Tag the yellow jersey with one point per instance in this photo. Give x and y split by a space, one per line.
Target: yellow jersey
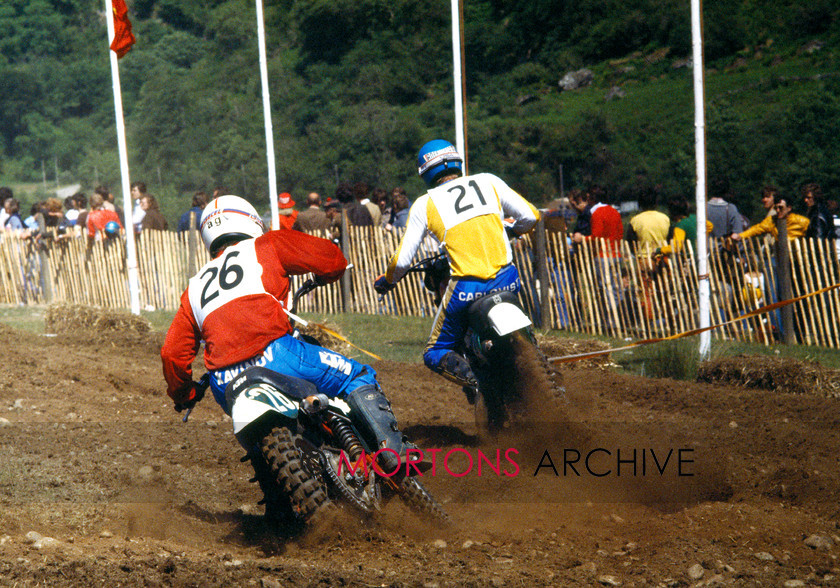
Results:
465 216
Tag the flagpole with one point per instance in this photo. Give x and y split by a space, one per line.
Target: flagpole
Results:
704 288
131 249
269 131
458 81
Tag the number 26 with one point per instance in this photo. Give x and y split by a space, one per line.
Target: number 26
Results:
229 277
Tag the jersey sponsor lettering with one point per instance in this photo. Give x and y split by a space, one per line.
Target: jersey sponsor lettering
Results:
336 362
226 376
470 296
234 274
460 200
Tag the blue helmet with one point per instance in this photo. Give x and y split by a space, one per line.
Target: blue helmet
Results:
437 158
112 228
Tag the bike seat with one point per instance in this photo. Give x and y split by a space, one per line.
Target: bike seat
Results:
288 385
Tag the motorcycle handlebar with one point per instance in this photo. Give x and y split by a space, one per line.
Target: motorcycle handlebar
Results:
200 389
304 289
424 263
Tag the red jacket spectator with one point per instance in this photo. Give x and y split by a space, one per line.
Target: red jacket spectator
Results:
97 219
606 224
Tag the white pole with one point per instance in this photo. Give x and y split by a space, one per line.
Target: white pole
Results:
128 206
269 131
457 72
704 289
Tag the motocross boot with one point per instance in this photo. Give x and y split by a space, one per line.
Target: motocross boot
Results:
455 368
371 413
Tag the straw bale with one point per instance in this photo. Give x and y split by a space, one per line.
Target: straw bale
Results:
558 347
777 374
325 339
95 323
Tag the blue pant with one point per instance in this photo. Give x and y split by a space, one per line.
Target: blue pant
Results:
332 373
450 324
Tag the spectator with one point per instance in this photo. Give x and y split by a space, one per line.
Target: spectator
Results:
288 214
81 207
199 201
650 227
108 204
360 193
600 221
153 220
583 214
36 212
13 221
683 224
797 225
834 210
724 215
383 200
54 215
312 218
5 194
820 223
399 210
768 194
99 216
357 213
138 190
333 211
604 223
72 213
559 215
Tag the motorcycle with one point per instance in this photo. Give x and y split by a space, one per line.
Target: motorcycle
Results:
501 350
307 453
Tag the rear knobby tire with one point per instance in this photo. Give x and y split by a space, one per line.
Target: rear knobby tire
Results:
497 388
418 499
538 382
306 493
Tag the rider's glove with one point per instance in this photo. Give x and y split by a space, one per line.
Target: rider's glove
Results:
382 285
511 234
196 394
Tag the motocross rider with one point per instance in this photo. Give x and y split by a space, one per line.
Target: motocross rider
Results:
465 214
235 304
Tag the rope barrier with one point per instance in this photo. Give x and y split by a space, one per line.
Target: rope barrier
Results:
691 333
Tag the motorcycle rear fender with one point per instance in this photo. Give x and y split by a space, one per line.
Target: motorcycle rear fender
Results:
505 318
258 391
256 401
497 315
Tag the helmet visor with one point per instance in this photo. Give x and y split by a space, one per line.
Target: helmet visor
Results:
434 158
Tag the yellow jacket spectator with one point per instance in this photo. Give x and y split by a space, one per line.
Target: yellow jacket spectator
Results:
797 224
650 227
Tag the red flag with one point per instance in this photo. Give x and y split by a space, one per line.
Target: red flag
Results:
123 37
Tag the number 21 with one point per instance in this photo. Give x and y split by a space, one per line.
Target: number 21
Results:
460 207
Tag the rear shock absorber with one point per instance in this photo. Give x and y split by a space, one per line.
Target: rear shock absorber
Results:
344 433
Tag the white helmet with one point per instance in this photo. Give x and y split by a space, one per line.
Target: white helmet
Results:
228 219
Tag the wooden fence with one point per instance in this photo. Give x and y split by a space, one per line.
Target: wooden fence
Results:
596 288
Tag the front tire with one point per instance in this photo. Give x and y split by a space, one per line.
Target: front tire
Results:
306 493
418 499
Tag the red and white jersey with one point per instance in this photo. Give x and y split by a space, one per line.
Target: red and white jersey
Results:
235 302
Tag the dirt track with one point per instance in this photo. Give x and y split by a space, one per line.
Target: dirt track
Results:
94 458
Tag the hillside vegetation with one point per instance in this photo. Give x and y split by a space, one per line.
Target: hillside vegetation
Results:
357 86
